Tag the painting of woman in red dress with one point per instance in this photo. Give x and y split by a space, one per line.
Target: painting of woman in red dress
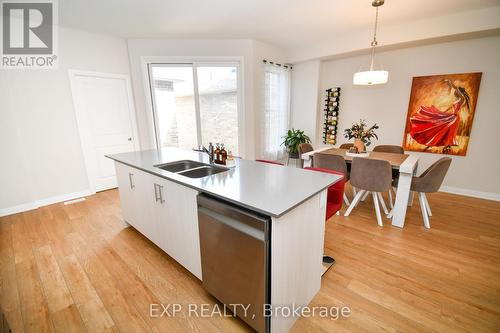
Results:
440 113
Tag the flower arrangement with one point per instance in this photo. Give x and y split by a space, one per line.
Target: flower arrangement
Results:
361 133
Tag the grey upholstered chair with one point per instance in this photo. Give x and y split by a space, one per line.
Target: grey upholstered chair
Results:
428 182
389 149
304 148
346 145
335 163
373 176
395 173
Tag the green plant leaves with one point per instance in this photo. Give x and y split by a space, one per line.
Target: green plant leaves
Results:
293 139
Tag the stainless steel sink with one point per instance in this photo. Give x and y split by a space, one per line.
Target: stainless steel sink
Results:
203 171
179 166
191 169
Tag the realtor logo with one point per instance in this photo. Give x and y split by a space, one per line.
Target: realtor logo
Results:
28 32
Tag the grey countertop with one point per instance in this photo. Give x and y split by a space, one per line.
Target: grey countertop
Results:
266 188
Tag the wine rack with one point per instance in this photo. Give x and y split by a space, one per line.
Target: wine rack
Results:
332 100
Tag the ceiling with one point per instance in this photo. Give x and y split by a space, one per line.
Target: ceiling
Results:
285 23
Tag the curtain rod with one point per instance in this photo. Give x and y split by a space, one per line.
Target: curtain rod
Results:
277 64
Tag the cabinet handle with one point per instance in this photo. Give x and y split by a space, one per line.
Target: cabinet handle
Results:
160 188
156 193
132 186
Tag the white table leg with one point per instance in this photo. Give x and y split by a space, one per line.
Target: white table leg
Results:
402 196
406 171
412 194
410 198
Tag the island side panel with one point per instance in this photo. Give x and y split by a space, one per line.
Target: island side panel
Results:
297 240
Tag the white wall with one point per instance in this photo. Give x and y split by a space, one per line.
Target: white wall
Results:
251 52
39 140
40 147
478 172
305 97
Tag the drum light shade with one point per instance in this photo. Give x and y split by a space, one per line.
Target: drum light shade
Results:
368 78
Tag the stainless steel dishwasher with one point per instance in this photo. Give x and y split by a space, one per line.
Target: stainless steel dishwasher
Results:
235 257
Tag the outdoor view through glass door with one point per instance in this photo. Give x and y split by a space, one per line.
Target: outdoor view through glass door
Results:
195 104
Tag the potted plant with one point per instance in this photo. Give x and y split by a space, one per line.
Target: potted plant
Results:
292 140
362 134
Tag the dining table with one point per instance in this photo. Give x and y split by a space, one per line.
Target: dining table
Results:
406 164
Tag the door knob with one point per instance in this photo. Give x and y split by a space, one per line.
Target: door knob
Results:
129 139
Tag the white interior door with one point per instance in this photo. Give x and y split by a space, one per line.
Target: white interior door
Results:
106 120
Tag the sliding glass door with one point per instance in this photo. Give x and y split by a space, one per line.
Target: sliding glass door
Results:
195 104
174 105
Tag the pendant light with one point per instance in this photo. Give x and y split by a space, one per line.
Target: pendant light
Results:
372 76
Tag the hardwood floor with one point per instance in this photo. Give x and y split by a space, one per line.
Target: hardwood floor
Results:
77 268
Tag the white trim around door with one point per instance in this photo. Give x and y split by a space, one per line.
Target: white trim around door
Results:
83 127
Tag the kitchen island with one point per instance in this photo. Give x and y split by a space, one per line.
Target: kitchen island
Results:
164 207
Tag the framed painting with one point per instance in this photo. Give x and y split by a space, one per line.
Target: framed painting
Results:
440 113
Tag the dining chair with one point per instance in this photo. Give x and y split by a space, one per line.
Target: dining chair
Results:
304 148
332 162
393 149
428 182
389 149
335 192
373 176
346 145
270 162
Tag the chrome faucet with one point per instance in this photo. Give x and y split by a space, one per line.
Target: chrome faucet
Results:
209 151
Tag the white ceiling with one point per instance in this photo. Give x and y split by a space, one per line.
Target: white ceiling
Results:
286 23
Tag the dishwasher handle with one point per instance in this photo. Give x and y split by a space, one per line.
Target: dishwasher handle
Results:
235 224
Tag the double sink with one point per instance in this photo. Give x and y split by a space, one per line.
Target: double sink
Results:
191 169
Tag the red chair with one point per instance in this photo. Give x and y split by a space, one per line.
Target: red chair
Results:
334 200
335 195
270 162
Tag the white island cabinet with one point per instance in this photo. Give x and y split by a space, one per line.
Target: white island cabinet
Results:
164 212
163 206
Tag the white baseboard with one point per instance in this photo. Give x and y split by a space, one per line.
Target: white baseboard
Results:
44 202
471 193
18 209
63 197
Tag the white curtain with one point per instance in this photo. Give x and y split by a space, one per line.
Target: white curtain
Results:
276 109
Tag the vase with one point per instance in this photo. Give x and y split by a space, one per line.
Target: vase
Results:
359 145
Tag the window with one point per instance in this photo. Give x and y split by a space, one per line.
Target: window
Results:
277 109
195 104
